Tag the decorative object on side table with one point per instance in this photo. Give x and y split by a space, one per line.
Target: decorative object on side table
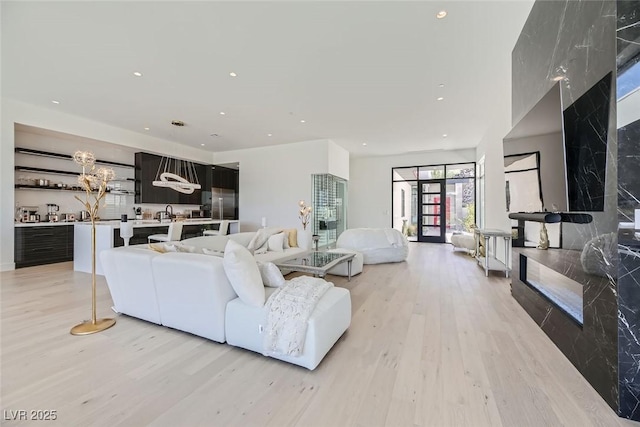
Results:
94 183
544 238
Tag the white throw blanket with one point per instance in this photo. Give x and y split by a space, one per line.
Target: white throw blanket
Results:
394 238
288 310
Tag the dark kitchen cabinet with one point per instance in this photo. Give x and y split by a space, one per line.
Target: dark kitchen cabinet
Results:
141 234
225 178
147 166
47 244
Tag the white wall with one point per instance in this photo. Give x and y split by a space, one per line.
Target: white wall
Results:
273 179
397 220
338 160
30 115
370 183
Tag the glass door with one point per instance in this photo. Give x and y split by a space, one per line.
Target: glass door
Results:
431 211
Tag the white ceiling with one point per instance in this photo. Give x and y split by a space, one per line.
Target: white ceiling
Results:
357 72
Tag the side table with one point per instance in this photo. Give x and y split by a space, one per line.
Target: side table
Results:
489 261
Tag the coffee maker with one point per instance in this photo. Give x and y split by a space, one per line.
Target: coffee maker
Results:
28 214
52 212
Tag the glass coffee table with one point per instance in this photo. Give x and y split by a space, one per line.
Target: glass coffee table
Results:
317 263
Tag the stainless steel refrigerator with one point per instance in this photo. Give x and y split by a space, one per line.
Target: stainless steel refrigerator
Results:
223 203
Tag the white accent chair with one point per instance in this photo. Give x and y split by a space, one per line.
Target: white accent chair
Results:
174 233
222 230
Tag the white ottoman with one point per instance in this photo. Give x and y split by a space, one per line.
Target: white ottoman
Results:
342 269
244 326
463 241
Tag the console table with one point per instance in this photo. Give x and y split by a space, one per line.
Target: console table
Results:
489 261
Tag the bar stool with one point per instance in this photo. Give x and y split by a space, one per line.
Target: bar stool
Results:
174 233
222 230
126 232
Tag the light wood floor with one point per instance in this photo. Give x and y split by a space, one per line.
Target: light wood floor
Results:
432 343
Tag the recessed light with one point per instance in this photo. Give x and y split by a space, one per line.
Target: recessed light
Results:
440 98
146 128
232 74
303 121
214 135
441 14
202 145
55 102
137 73
441 85
222 113
364 144
269 134
444 135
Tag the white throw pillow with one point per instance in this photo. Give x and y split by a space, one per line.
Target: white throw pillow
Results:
276 242
243 274
286 239
261 237
271 275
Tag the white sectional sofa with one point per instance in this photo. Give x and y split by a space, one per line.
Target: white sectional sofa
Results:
191 292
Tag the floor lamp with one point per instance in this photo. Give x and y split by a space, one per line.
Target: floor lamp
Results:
94 182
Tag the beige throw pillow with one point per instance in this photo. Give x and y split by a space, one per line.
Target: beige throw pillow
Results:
293 237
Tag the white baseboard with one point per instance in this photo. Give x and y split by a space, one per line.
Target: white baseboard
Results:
8 266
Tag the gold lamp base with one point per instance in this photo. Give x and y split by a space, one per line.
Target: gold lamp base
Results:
88 327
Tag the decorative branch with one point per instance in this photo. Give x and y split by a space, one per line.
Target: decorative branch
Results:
304 213
94 182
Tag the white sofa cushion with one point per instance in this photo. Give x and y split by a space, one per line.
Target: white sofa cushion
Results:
193 292
276 242
271 275
271 256
243 273
127 270
245 326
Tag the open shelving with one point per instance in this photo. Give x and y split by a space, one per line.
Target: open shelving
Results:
40 153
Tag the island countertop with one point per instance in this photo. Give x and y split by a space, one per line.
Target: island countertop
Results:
155 223
108 231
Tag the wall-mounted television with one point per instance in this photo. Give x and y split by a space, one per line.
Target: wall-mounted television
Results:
572 147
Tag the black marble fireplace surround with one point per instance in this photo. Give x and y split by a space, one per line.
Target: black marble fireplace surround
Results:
575 42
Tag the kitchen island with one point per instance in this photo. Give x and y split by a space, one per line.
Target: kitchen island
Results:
108 236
